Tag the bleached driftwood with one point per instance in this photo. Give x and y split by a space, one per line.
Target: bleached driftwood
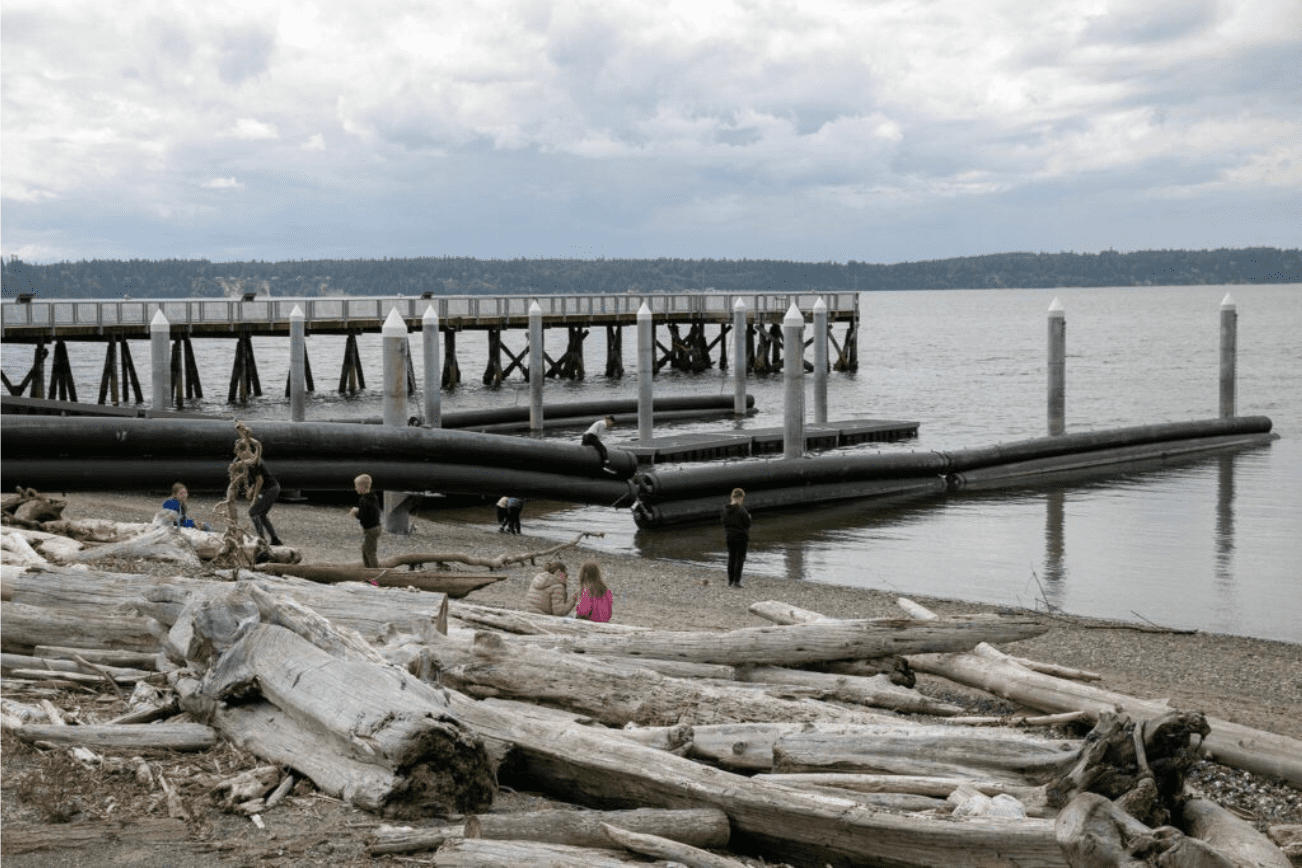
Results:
585 765
161 542
375 735
1250 749
793 645
455 585
162 736
675 852
702 827
877 691
614 695
28 626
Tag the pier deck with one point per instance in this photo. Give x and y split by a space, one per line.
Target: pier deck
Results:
91 319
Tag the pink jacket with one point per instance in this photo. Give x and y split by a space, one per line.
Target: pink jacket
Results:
597 609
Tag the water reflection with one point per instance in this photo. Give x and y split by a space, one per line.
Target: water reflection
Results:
1055 547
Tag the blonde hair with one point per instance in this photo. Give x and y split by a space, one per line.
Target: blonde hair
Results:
177 488
738 495
590 578
364 477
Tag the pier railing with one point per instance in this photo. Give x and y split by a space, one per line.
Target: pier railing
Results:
71 317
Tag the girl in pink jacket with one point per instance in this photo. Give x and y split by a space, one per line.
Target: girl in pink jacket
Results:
595 599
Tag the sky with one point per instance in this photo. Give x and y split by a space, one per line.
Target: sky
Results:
813 130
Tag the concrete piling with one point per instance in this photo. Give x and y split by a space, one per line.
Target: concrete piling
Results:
429 324
160 359
739 364
1229 353
536 371
645 373
793 366
297 366
820 361
1057 368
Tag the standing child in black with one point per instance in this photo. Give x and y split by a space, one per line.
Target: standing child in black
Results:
261 480
736 528
367 512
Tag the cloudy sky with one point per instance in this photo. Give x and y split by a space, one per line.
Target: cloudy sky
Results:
876 130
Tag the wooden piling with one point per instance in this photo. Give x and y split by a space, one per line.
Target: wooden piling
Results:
451 369
614 351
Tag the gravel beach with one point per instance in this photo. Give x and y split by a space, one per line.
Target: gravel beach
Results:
1251 682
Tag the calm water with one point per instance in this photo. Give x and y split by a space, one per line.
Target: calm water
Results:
1213 545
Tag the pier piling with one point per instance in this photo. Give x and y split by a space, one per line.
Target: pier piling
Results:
645 374
297 366
429 330
1229 352
793 439
1057 368
740 334
159 335
820 361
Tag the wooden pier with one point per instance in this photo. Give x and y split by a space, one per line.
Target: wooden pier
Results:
687 318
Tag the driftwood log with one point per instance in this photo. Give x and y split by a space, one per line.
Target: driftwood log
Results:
169 736
455 585
703 827
796 644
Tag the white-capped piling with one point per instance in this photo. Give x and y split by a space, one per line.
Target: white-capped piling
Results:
739 357
160 359
820 361
394 338
536 372
1229 351
297 365
1057 368
793 366
645 373
429 325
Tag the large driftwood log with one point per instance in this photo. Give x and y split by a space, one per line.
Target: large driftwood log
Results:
453 584
797 644
28 626
614 695
702 827
493 563
27 507
1230 836
159 736
971 753
583 765
532 623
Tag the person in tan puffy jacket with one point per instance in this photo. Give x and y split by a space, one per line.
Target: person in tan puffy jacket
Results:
548 592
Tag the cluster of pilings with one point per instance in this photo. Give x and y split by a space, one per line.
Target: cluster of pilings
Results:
690 352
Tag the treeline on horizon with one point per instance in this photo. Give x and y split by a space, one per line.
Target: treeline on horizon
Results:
455 275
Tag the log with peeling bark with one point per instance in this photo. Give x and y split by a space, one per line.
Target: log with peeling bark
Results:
455 585
27 507
793 645
701 827
160 736
102 656
969 753
612 694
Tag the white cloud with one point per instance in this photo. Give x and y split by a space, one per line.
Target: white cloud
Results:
705 111
248 128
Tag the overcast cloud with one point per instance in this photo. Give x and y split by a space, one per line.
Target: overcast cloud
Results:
813 130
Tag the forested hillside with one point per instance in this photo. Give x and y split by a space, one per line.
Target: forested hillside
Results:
451 275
